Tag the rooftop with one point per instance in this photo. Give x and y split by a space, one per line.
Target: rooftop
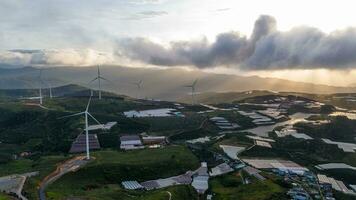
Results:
129 137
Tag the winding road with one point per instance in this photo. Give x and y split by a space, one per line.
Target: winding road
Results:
68 166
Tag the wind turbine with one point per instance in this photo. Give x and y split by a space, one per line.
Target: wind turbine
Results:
39 97
139 85
86 114
50 91
192 86
99 78
40 89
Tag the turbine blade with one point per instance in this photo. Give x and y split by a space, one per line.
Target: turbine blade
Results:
105 79
93 80
86 110
94 118
195 82
76 114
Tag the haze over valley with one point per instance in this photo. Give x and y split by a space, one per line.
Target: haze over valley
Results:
177 100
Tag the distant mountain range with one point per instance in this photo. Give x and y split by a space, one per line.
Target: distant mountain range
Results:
165 84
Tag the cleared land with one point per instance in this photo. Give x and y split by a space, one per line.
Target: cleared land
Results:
112 167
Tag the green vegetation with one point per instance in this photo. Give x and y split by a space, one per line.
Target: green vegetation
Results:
45 165
340 129
305 152
231 187
5 197
346 175
342 196
112 167
192 134
169 124
113 192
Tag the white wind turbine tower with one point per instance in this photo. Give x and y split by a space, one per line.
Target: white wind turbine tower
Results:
40 89
50 91
192 86
39 97
139 85
99 78
86 114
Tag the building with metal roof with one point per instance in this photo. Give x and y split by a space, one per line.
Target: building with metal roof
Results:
79 145
129 142
201 178
220 170
131 185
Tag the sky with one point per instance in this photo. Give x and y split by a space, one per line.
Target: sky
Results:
313 40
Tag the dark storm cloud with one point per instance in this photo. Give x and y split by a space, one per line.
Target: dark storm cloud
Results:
267 48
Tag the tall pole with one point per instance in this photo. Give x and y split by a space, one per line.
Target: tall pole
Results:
193 95
40 77
138 91
99 88
40 95
99 77
50 92
87 134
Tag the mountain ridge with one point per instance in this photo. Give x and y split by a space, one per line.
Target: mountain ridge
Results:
165 84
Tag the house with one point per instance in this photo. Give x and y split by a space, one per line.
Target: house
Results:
129 142
151 140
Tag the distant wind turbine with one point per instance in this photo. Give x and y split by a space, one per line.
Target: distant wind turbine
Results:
86 114
40 89
192 86
50 91
139 85
98 78
39 97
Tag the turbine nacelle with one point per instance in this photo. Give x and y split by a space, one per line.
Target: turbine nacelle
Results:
98 78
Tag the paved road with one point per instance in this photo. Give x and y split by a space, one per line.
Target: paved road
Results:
169 194
68 166
14 183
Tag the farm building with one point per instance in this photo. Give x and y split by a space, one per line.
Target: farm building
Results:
130 142
150 140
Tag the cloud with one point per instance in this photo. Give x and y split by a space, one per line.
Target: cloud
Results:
221 10
66 57
266 49
143 1
145 15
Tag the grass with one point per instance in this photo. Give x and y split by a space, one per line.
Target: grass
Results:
16 166
113 192
112 167
230 187
44 165
5 197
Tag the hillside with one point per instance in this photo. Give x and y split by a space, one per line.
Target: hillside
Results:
165 84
